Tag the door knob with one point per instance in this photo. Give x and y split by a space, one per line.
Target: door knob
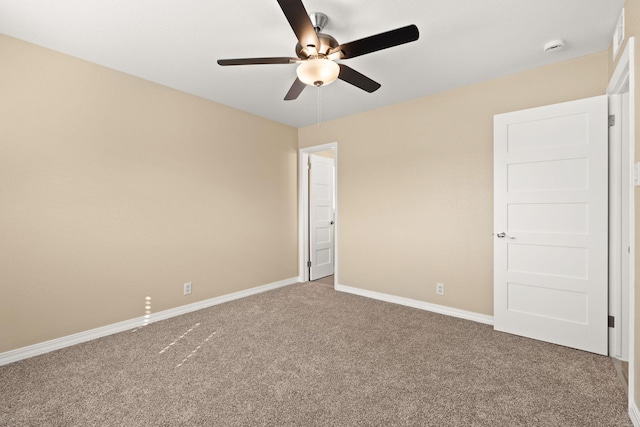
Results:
503 235
331 223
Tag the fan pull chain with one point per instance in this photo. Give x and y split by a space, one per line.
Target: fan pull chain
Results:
318 106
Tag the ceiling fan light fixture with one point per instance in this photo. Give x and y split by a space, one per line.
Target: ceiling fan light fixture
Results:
317 51
318 72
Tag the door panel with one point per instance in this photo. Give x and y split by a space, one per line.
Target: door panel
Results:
548 302
550 219
546 260
568 218
548 132
547 175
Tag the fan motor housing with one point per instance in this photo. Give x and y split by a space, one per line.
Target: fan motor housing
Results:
327 43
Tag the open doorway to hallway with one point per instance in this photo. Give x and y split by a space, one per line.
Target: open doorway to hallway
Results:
317 233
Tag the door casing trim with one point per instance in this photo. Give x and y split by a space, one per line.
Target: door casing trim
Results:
624 74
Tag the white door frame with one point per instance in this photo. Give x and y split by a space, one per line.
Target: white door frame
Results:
303 209
622 77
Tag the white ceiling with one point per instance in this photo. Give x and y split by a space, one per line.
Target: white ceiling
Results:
176 43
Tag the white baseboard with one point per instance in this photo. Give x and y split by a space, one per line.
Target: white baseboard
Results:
422 305
58 343
634 413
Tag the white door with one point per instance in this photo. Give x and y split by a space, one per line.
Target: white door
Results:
321 195
550 223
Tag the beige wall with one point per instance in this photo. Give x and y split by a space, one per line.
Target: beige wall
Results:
416 183
113 189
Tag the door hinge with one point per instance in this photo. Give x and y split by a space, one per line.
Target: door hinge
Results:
612 322
308 263
612 120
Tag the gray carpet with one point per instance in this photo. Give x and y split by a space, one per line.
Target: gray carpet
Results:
306 355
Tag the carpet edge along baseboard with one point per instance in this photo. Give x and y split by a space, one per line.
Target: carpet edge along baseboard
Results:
421 305
103 331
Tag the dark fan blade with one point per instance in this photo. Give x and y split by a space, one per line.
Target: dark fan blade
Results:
296 89
300 23
350 75
254 61
378 42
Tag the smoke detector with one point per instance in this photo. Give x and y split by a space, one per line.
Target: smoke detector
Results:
554 46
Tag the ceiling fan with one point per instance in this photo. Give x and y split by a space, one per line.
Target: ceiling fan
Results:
317 52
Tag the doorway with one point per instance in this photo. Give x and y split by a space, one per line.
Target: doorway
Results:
621 207
306 222
621 90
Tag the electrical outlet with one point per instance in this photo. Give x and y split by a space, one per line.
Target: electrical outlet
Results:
187 288
440 288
